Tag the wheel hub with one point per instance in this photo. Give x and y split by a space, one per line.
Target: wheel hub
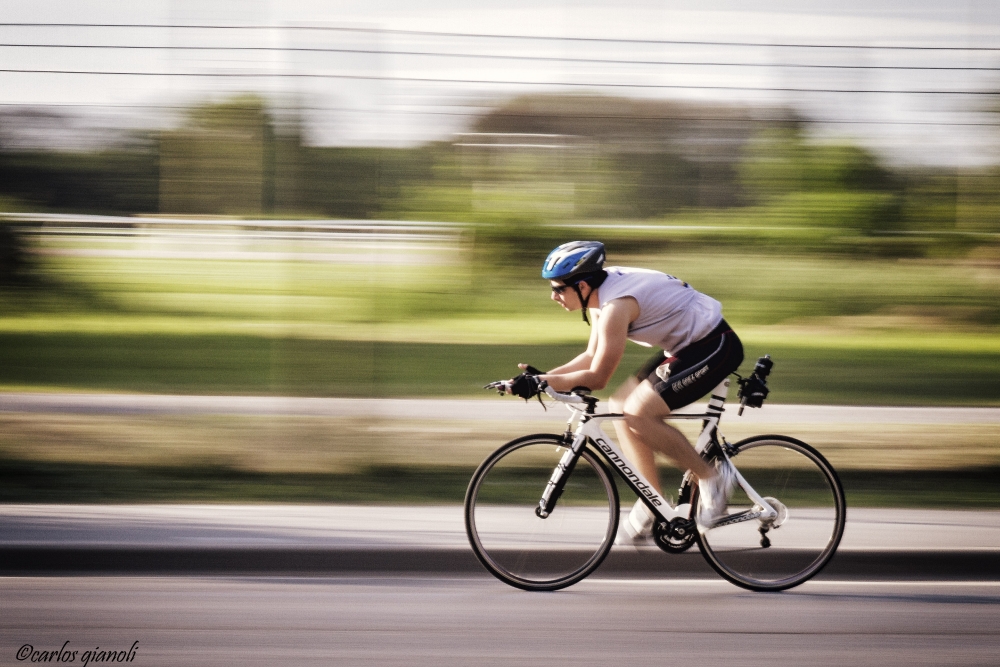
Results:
780 508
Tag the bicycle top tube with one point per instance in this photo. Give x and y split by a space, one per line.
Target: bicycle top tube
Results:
586 404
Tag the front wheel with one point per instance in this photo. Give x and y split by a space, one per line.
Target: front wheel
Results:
513 542
776 554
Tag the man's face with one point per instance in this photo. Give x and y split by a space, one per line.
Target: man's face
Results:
566 296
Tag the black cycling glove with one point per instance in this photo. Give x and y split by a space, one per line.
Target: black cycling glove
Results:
526 385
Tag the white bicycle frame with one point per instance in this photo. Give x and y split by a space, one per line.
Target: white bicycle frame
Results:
587 427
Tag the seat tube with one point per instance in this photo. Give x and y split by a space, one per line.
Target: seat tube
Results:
717 399
716 403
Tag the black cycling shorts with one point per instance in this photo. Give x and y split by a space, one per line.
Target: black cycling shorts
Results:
695 370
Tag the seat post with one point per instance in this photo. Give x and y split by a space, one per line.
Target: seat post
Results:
718 397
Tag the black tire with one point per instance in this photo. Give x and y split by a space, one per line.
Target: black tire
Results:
808 488
520 548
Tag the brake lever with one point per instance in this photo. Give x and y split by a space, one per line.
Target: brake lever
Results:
499 385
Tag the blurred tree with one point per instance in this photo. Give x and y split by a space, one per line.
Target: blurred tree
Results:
361 183
655 156
654 184
839 189
533 160
777 162
221 161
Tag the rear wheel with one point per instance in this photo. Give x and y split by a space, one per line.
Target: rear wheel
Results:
518 546
773 555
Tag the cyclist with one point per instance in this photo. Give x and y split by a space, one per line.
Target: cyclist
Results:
699 350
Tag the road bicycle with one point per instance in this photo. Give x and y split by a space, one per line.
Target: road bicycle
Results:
542 511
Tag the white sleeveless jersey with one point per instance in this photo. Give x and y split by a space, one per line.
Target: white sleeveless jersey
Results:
672 314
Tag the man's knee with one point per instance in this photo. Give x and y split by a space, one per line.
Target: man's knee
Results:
642 409
634 422
644 402
621 395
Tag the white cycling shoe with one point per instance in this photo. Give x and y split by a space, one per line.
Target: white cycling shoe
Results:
637 528
713 495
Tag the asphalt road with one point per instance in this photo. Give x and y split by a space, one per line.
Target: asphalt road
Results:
479 621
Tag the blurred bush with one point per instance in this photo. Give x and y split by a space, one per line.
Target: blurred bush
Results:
16 267
116 181
865 207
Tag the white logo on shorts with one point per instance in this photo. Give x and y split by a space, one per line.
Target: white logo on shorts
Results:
689 380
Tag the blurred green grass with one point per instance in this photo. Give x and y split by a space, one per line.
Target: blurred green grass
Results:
756 288
226 364
61 482
841 330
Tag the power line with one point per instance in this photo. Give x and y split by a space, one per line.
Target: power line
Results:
489 56
554 84
465 35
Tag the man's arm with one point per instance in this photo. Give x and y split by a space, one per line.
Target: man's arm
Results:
583 360
604 352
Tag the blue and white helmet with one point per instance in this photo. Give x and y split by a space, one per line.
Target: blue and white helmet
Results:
576 258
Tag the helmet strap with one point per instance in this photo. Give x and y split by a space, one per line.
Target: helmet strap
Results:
584 304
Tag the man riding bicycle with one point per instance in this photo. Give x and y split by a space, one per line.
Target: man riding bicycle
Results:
653 309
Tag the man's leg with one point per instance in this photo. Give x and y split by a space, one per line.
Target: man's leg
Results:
642 457
645 411
639 521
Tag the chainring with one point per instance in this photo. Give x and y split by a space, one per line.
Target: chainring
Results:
675 536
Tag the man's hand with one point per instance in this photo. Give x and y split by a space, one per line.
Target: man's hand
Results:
526 385
530 370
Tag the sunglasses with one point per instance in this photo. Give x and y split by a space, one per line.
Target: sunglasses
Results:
559 289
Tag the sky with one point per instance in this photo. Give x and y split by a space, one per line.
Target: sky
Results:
907 78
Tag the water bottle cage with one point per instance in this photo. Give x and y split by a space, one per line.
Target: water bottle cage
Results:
753 391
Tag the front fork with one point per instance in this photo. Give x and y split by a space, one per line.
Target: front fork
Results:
557 482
